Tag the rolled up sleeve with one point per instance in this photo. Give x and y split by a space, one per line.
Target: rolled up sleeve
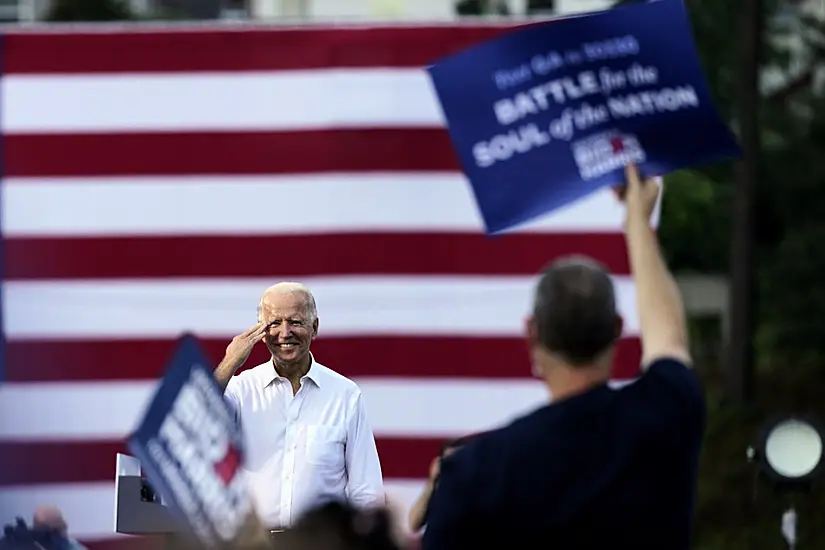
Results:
231 396
365 485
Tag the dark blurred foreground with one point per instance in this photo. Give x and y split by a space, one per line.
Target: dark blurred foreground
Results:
331 526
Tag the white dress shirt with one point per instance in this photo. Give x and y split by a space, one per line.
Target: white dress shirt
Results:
304 449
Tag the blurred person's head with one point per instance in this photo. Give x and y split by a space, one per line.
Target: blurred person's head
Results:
47 532
289 310
341 526
574 326
50 517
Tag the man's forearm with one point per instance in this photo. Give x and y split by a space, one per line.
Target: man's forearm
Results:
224 373
418 511
661 311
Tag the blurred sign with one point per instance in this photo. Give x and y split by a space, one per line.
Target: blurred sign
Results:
192 450
549 113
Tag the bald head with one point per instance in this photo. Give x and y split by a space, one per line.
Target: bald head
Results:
276 292
49 516
575 310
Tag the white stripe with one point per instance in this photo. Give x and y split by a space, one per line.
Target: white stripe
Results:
263 205
395 407
89 507
454 407
221 308
273 100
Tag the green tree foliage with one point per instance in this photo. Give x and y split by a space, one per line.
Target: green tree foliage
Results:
695 222
89 11
792 327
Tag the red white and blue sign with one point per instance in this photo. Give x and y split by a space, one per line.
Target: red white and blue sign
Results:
547 114
192 450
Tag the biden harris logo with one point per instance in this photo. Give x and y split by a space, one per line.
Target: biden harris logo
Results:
600 154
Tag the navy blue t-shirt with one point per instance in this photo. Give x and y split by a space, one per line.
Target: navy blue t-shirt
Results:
606 468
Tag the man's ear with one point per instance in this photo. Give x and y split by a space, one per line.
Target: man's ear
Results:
531 331
315 328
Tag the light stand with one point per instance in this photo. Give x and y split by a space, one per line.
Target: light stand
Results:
789 455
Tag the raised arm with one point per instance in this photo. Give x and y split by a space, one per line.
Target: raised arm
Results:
237 352
661 311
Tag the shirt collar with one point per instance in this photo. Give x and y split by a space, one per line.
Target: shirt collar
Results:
315 373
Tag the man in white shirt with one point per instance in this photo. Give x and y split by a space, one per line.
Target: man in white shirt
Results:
308 439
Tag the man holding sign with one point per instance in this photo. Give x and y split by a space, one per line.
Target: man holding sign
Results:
307 436
597 467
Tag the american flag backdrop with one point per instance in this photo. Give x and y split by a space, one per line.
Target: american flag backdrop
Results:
157 181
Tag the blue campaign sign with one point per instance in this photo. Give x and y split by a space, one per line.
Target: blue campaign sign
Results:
192 450
550 113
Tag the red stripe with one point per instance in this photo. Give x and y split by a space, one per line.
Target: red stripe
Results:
29 463
272 49
463 357
229 256
224 153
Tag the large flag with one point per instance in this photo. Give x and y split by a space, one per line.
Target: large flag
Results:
156 182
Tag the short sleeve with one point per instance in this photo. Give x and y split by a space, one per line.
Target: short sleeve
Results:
232 397
672 391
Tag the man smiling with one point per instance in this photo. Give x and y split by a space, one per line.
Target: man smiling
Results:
307 436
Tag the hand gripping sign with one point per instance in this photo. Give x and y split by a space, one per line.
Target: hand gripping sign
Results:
549 113
192 451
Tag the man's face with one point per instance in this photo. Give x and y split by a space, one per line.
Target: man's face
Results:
290 333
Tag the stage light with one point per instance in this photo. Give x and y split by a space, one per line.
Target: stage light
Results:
790 452
790 455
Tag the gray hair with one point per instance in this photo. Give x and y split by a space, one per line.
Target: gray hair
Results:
310 311
575 309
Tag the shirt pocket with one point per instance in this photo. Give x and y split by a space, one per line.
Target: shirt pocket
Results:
325 446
